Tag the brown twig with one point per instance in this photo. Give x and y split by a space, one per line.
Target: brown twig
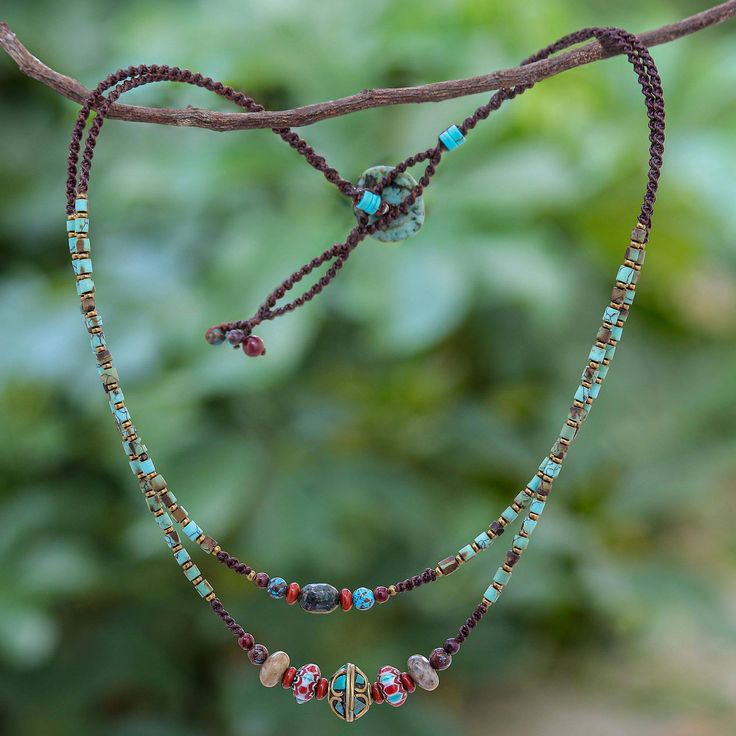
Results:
368 98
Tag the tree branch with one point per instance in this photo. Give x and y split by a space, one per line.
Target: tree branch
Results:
368 98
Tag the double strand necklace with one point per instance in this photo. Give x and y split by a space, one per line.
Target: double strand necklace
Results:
388 205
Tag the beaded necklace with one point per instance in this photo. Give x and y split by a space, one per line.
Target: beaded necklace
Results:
388 205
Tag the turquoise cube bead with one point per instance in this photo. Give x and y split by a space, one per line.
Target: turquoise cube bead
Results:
192 573
629 296
611 315
467 552
501 577
491 594
483 540
70 226
509 514
80 204
147 466
192 531
81 225
550 468
182 556
204 589
528 526
522 499
534 483
520 542
452 138
595 389
603 372
582 394
616 332
536 507
596 354
625 274
82 265
85 285
164 521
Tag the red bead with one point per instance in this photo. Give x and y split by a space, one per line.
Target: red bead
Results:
376 693
408 682
321 688
346 599
292 594
262 580
381 593
253 346
288 679
246 642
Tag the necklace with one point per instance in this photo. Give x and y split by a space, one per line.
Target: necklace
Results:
389 206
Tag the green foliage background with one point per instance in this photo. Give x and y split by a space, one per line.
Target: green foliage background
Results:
394 417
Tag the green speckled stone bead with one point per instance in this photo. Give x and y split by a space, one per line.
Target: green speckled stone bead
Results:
404 226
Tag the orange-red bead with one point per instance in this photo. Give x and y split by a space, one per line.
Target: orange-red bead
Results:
376 693
346 599
408 682
322 686
288 679
292 593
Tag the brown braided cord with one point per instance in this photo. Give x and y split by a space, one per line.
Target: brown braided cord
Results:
336 255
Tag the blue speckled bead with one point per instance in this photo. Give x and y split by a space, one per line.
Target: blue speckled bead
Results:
277 587
452 138
363 599
369 203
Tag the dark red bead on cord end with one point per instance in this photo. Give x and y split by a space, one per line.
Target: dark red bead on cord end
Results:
253 346
246 642
381 594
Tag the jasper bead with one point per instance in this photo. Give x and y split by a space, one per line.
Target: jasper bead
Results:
262 580
246 642
440 659
292 594
408 682
376 693
319 598
381 594
253 346
363 599
451 646
235 337
389 680
277 587
215 336
422 671
288 679
346 599
273 669
321 690
305 682
258 655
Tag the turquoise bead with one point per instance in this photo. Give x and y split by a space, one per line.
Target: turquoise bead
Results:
164 521
611 315
85 285
483 541
520 542
534 483
582 394
80 205
536 507
81 225
603 372
192 531
491 594
171 539
467 552
70 226
625 275
204 588
182 556
452 138
509 514
501 577
616 332
595 389
369 202
277 587
192 573
522 499
363 599
82 265
528 526
550 468
596 354
403 226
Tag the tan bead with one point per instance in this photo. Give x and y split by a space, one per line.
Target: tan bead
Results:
422 672
272 670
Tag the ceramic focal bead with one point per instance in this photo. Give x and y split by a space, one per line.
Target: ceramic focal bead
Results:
389 681
319 598
422 672
273 669
363 599
305 682
349 693
277 587
403 226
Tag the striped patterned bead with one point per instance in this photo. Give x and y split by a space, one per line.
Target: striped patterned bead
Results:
452 138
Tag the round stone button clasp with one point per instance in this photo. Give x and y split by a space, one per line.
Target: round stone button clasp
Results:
404 226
